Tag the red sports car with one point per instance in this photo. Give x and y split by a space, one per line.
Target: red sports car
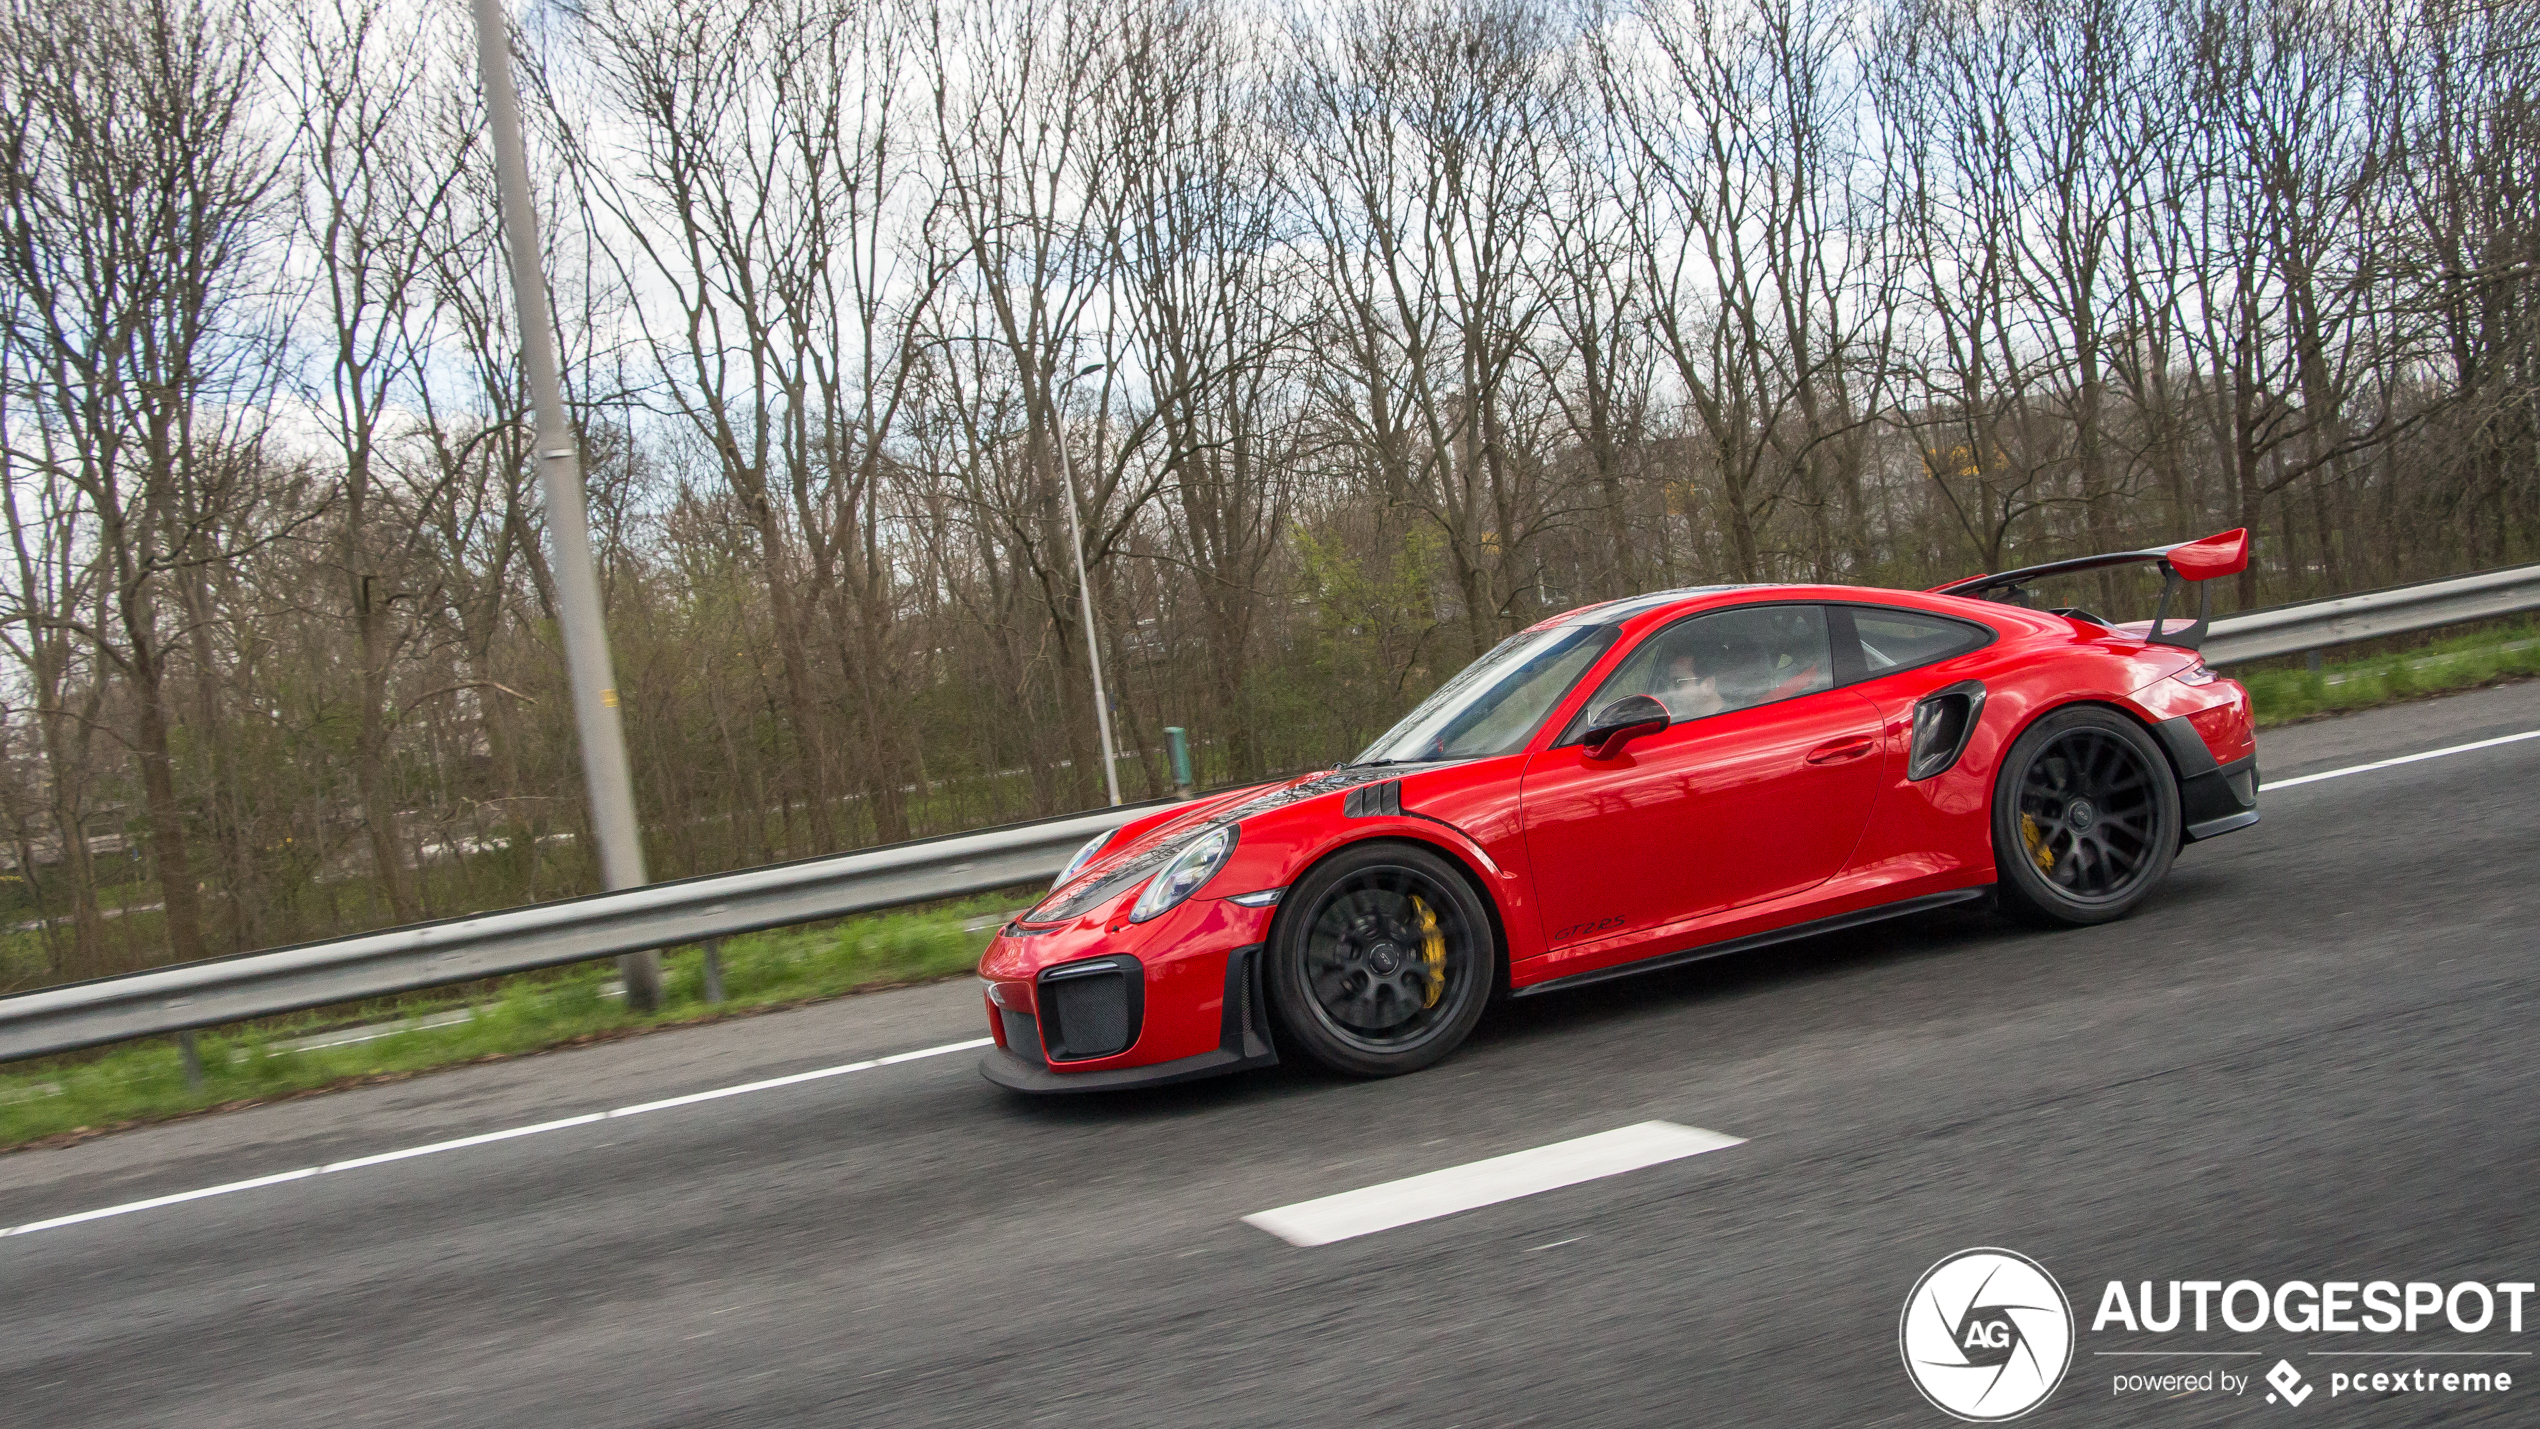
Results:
1629 786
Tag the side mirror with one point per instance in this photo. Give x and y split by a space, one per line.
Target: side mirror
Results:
1622 722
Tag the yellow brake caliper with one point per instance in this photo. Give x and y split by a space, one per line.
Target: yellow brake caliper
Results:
2038 852
1432 951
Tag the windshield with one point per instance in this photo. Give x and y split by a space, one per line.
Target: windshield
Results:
1493 704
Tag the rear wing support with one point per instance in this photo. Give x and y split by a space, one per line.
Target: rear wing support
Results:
2181 562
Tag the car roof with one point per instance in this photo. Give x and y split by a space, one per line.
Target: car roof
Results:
1617 612
1614 612
1658 607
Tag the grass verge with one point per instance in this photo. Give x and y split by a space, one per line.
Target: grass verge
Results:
2282 696
69 1098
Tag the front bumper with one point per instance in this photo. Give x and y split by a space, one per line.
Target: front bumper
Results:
1018 1061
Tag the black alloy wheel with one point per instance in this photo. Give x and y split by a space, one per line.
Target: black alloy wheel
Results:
2085 817
1381 960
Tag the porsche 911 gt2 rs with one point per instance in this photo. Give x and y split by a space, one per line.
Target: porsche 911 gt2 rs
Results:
1632 785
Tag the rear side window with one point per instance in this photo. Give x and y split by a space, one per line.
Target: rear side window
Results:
1893 640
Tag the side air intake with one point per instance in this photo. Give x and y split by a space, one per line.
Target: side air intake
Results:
1943 721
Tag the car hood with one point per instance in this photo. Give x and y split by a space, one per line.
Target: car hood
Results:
1138 853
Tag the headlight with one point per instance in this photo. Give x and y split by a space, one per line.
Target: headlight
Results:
1193 866
1083 856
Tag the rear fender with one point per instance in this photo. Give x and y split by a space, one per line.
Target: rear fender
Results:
2206 742
1943 824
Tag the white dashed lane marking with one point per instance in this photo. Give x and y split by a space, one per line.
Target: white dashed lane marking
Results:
1483 1183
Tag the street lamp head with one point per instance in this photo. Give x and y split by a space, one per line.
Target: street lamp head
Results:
1089 369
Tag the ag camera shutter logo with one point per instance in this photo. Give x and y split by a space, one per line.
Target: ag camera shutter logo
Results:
1987 1335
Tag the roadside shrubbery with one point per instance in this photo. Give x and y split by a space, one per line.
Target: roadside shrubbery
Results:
2457 664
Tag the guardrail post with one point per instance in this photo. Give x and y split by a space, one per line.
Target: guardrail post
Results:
1178 739
714 969
192 1057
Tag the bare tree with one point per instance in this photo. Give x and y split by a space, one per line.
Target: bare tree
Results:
371 217
53 595
1948 86
138 182
1195 220
727 203
1415 178
2465 164
2289 244
1018 159
1599 365
1742 184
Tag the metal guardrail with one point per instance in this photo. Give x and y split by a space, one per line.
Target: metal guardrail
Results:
659 915
2318 624
262 984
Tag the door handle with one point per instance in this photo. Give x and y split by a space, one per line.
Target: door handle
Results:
1850 748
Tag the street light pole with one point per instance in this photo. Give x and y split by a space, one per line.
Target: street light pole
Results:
586 638
1084 587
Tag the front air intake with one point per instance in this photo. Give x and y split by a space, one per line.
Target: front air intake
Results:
1022 1034
1091 1009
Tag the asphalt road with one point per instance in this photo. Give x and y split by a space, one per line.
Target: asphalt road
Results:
2309 1057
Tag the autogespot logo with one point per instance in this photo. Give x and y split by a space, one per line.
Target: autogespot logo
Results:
1987 1335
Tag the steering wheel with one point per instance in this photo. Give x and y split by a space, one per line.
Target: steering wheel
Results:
1796 684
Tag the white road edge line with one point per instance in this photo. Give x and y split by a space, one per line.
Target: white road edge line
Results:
2270 786
1482 1183
460 1143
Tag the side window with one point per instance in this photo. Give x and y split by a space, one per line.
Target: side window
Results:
1893 640
1726 660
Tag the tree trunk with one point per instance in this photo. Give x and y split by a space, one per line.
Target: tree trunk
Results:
65 759
184 918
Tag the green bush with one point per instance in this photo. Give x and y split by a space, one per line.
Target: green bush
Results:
22 957
2458 663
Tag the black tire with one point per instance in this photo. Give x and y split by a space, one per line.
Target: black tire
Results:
1381 960
2085 818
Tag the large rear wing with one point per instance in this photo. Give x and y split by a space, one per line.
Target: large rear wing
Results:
2199 561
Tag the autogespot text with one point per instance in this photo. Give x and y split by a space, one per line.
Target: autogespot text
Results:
2302 1307
2457 1327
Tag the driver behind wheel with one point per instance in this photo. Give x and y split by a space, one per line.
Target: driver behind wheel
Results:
1686 691
1742 670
